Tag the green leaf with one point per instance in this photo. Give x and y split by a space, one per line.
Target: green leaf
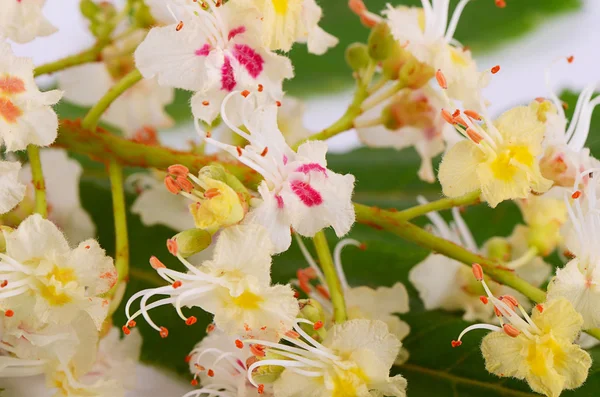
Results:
482 27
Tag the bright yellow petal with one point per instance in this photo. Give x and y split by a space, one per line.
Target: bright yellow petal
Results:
559 317
521 126
457 171
502 355
576 365
495 190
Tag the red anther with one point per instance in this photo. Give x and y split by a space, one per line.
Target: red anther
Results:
210 328
179 26
318 325
260 88
9 313
477 271
310 273
208 134
456 343
184 184
177 284
172 246
296 294
456 113
576 195
156 263
497 311
570 59
292 334
245 93
264 152
239 344
500 3
205 103
87 247
239 151
210 193
362 246
472 114
510 330
357 6
194 382
188 358
474 135
539 307
511 299
164 332
484 299
459 120
565 105
257 350
441 79
540 99
199 367
178 170
210 373
495 69
171 185
261 389
278 103
131 324
191 320
126 330
448 117
4 284
323 291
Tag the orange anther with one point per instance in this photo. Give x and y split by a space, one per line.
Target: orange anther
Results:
278 103
318 325
459 120
261 389
511 299
171 185
210 328
172 246
323 291
179 26
510 330
292 334
448 117
210 373
205 103
184 184
131 324
539 307
126 330
441 79
474 135
260 88
239 344
245 93
576 194
194 382
477 271
210 193
456 343
164 332
570 59
456 113
9 313
264 152
362 246
177 284
239 150
500 3
188 358
257 350
156 263
178 170
191 320
484 299
473 114
495 69
4 284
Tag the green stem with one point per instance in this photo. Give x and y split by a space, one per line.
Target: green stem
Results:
438 205
91 119
37 178
331 277
87 56
115 173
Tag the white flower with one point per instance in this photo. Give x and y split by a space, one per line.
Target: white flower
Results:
289 21
45 278
25 113
354 360
298 190
290 120
62 175
579 280
11 190
420 125
363 302
219 360
23 21
213 53
235 286
427 34
444 283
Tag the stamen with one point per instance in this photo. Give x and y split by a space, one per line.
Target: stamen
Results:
474 136
178 170
448 117
472 114
495 69
164 332
191 320
511 331
172 246
441 79
171 185
156 263
179 26
477 271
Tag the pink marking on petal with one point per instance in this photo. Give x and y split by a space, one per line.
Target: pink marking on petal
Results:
227 78
285 159
235 31
306 168
249 59
309 196
279 201
204 51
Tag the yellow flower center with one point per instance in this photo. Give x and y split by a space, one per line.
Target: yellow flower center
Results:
248 301
344 384
280 6
502 167
53 291
537 355
457 57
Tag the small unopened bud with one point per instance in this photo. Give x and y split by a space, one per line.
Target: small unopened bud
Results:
408 109
381 42
357 56
414 74
312 310
499 248
192 241
89 8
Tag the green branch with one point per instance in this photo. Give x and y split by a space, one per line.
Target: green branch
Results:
37 178
331 277
115 173
438 205
87 56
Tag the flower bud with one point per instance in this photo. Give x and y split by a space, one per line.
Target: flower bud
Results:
218 172
393 63
267 373
499 248
312 310
381 42
192 241
414 74
545 238
357 56
408 109
89 9
556 166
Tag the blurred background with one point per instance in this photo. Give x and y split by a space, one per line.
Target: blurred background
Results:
525 39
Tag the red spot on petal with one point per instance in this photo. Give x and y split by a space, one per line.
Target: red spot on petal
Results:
239 344
11 85
9 313
9 111
249 59
306 168
318 325
204 50
235 31
309 196
279 201
227 77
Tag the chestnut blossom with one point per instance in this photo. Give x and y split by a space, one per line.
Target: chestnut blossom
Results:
235 286
539 348
212 52
499 157
26 115
23 21
289 21
12 190
42 276
354 360
298 190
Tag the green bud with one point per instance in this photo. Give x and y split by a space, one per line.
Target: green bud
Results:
544 238
357 56
89 9
499 248
408 110
218 172
381 42
414 74
192 241
312 310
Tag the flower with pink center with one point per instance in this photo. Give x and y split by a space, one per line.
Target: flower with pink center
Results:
212 51
298 190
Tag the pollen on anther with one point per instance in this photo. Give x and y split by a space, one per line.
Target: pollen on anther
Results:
477 271
179 26
318 325
495 69
456 343
576 194
177 284
164 332
441 79
264 152
245 93
239 344
9 313
191 320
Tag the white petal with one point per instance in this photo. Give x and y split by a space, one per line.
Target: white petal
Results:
11 190
85 84
35 237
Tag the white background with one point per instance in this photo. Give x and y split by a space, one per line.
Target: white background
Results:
521 79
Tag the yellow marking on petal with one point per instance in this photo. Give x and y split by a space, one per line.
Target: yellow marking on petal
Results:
248 301
58 278
457 57
9 111
421 19
344 384
501 166
281 6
